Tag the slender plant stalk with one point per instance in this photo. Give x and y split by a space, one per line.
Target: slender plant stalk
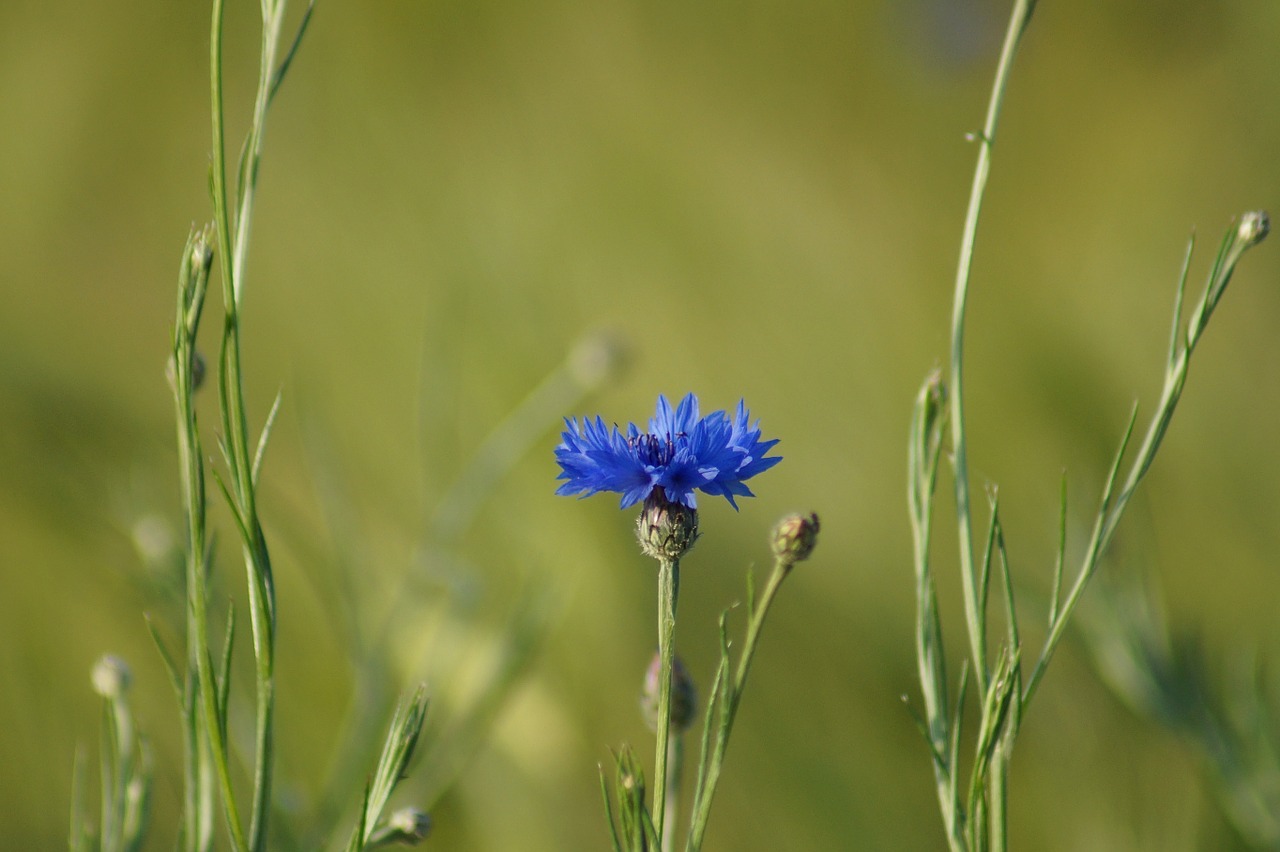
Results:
195 261
1248 232
730 698
924 452
668 594
243 465
974 587
982 825
675 771
987 788
974 616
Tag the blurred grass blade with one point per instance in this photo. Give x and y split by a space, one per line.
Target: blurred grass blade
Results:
170 665
393 763
592 362
80 837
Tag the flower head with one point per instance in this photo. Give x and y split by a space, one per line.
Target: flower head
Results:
681 453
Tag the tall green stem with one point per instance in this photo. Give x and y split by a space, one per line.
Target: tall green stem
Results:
193 489
235 419
731 698
974 584
974 615
671 803
668 593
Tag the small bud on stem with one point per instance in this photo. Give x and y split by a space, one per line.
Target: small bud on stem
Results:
666 530
111 677
794 537
684 698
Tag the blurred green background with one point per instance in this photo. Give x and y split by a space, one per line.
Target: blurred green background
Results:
765 200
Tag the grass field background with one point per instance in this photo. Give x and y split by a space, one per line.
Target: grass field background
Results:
764 200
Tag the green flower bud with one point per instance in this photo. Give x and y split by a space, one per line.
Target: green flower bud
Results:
794 537
666 530
684 698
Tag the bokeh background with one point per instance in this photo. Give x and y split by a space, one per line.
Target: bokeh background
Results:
764 200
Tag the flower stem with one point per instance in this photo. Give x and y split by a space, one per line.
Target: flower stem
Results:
975 615
668 592
233 242
675 770
709 773
974 583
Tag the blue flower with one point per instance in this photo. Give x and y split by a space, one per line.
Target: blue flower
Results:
680 453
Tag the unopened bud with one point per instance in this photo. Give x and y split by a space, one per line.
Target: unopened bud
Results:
935 398
794 537
408 826
1253 228
201 253
111 676
197 371
684 698
666 530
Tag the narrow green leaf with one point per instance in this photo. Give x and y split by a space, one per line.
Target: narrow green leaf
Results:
1113 475
278 79
223 682
1176 335
170 666
246 537
608 809
719 684
953 761
1059 564
264 437
730 689
79 838
362 831
988 550
1010 605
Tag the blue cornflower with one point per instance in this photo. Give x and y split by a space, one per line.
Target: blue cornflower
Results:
680 453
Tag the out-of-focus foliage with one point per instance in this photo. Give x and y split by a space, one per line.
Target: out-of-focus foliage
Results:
765 199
